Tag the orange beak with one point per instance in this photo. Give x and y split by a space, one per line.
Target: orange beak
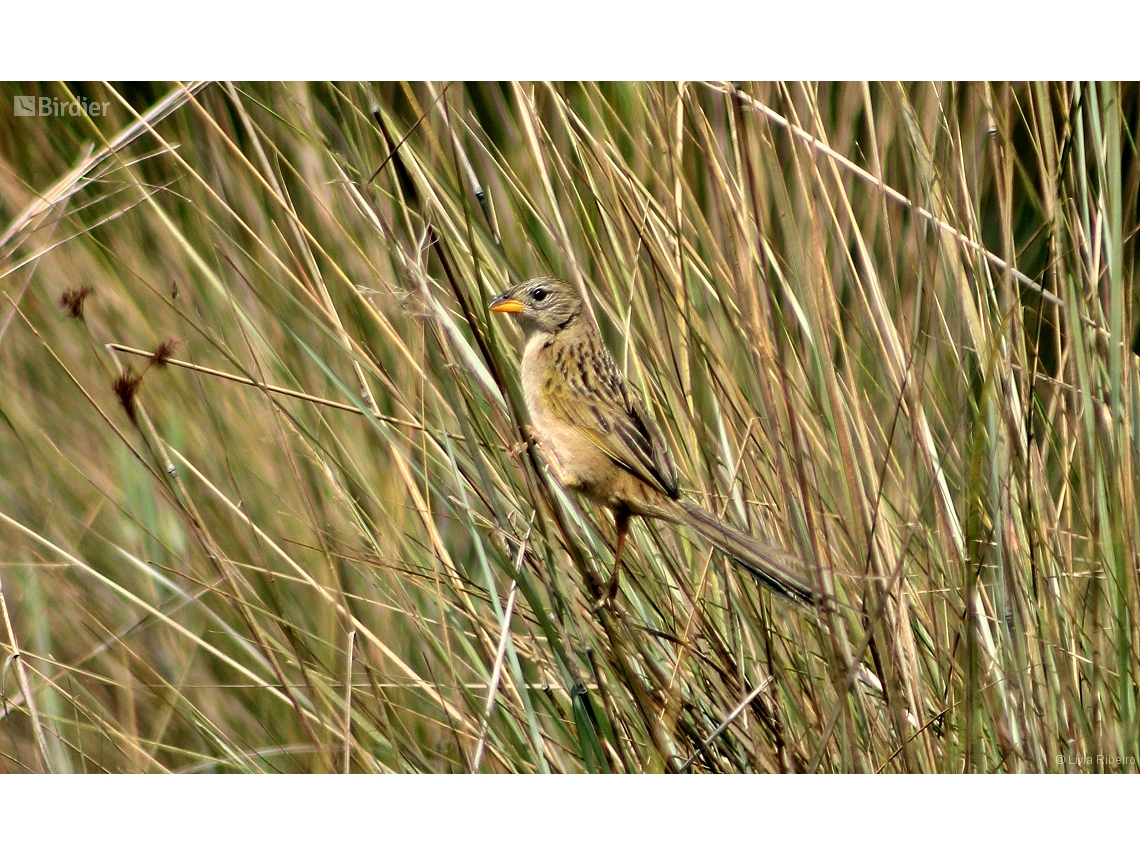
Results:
506 305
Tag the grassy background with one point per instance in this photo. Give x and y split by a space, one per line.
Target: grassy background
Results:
887 328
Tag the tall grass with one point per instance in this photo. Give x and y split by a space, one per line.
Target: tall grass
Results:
887 328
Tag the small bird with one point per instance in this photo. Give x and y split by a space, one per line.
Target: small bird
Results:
598 438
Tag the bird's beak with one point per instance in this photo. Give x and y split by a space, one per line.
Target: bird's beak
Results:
506 305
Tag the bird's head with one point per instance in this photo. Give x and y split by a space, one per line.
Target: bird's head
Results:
544 304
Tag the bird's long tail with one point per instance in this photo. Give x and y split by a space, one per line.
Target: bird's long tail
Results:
768 564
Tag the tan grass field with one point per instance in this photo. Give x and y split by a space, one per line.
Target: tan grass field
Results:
890 329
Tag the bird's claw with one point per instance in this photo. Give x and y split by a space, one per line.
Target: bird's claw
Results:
609 595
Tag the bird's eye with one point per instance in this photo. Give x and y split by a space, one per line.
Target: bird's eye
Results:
538 295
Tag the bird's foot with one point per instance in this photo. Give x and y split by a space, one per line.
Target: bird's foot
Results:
609 595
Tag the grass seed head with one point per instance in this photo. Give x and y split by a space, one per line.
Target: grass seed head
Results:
73 299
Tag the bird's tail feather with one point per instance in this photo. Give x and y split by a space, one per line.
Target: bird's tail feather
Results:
768 564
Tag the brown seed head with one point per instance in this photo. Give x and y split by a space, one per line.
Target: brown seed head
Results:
72 300
126 385
164 351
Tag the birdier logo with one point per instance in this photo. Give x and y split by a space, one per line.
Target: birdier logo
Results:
30 105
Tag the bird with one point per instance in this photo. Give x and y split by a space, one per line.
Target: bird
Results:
599 440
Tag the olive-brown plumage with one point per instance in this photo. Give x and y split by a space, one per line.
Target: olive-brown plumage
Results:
598 437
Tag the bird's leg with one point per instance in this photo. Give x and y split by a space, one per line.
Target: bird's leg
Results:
621 520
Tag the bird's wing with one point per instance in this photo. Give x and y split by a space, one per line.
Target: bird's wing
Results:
610 413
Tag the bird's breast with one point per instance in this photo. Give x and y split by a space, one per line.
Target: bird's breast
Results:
574 458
